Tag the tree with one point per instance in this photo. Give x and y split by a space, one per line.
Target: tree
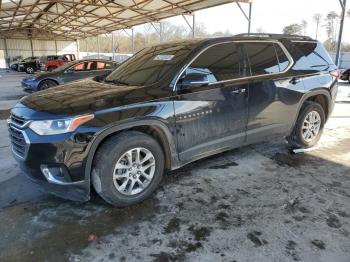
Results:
317 19
304 25
293 29
330 25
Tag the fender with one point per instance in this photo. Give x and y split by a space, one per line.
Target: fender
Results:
175 163
309 94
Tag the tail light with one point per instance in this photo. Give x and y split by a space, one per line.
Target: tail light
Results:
335 73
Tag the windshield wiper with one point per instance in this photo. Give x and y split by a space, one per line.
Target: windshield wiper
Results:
117 81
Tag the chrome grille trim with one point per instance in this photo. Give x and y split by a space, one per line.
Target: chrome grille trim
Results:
19 139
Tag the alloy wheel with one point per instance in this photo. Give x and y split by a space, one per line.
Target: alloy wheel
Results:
134 171
311 126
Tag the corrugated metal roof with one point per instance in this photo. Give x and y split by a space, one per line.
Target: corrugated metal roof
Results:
74 19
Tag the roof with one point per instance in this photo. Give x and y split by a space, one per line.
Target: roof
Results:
238 37
74 19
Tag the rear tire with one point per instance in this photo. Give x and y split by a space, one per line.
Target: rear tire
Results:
117 178
46 84
308 127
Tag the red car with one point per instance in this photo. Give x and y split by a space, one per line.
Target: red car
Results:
56 61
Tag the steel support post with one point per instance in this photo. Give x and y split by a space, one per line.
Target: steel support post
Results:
340 36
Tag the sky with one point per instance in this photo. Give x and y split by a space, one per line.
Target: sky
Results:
270 15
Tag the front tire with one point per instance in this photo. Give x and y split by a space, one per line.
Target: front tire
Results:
309 126
128 168
46 84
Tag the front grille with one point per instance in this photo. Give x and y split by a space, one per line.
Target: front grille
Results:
17 136
18 121
18 141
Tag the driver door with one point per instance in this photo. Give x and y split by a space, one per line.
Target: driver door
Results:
211 103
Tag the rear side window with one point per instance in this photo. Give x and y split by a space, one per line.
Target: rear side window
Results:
262 58
218 63
283 61
315 57
109 66
100 65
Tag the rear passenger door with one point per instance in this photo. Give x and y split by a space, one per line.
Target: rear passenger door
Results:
274 93
211 103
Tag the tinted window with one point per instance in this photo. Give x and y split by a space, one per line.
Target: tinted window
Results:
79 67
152 64
100 65
283 61
262 58
91 65
218 63
109 66
315 57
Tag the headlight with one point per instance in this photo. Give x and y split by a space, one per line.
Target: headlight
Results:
30 78
58 126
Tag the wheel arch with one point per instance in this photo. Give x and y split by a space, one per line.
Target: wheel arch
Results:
316 96
154 128
45 79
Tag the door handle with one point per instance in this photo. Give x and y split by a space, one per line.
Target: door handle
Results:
238 91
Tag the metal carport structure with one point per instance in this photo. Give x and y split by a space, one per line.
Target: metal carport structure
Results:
78 19
75 19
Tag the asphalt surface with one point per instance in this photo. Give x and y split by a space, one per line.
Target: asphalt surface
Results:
256 203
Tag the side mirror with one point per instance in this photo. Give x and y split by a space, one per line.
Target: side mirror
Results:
194 80
69 71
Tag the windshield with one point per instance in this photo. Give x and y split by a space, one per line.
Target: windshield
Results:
151 64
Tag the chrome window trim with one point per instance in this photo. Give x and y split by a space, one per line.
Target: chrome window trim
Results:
284 49
305 41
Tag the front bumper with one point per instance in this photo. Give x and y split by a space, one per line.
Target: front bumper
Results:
29 85
56 163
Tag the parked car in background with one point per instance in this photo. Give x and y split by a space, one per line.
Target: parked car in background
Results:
52 62
72 71
14 63
345 75
169 105
29 65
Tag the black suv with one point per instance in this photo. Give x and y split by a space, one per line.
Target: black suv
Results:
169 105
29 65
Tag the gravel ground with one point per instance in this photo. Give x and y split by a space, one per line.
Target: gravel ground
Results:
257 203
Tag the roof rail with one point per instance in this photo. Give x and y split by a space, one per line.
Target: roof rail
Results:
276 35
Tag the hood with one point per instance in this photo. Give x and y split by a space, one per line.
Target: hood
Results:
88 96
43 75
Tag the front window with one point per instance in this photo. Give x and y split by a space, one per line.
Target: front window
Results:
218 63
150 65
